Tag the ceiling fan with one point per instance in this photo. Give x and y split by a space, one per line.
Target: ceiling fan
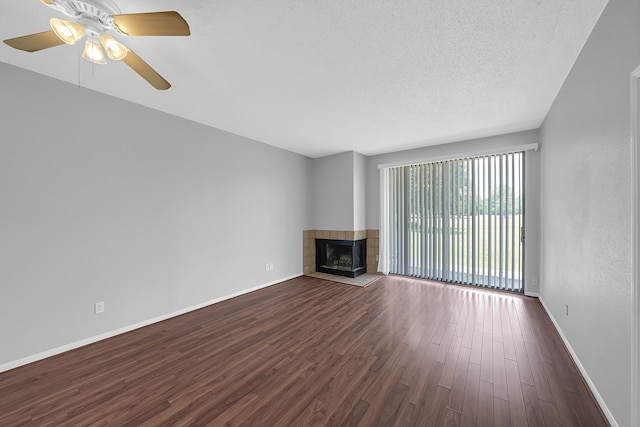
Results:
96 19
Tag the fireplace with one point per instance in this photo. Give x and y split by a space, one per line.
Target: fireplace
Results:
342 257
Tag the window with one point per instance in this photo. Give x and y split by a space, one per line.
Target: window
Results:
458 221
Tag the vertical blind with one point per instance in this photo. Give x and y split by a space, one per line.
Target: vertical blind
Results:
458 221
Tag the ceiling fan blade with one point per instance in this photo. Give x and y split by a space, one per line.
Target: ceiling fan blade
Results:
145 71
35 42
152 24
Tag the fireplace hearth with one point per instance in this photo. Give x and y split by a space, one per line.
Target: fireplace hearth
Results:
341 257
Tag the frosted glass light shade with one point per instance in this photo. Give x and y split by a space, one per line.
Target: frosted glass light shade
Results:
67 31
93 52
115 50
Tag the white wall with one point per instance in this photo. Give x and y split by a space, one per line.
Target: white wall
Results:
492 144
586 205
147 212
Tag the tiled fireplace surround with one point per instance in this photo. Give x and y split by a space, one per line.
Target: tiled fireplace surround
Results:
309 247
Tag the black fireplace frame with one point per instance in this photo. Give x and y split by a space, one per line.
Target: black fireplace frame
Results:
358 253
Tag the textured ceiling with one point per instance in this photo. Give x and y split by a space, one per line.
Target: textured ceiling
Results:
321 77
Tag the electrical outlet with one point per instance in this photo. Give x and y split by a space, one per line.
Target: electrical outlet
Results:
267 267
98 307
566 309
271 267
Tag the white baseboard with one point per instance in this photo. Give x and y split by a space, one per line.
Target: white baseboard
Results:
581 368
532 294
48 353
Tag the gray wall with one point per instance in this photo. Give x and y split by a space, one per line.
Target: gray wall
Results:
339 191
586 192
359 191
465 148
147 212
332 194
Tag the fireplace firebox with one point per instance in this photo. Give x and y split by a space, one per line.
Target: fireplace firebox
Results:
342 257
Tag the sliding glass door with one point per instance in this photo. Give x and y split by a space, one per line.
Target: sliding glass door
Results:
458 221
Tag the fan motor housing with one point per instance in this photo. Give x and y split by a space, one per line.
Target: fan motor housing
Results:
96 15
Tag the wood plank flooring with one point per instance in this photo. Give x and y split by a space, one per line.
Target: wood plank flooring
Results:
307 352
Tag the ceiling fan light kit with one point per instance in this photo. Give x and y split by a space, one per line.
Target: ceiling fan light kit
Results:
95 19
93 52
67 31
115 50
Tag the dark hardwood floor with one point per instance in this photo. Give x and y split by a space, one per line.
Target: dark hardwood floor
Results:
308 352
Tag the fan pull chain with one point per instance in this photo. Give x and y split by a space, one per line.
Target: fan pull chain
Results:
93 64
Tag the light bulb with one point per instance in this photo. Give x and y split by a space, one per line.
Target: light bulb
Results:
67 31
115 50
93 52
